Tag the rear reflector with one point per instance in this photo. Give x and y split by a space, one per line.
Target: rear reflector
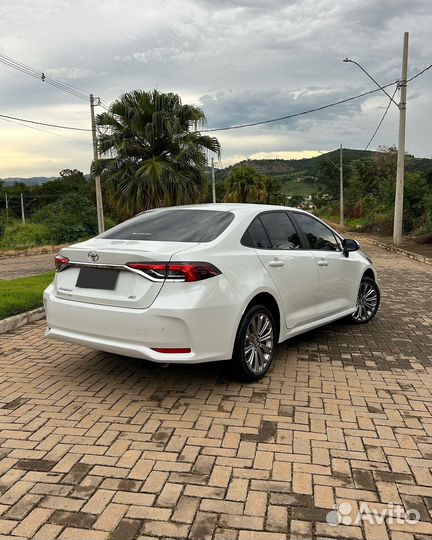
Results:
60 262
176 271
173 351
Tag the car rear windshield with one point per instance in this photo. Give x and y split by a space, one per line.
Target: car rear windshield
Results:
173 226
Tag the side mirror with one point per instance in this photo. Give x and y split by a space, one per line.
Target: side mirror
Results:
349 245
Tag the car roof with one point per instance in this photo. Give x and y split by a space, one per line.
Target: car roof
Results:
234 207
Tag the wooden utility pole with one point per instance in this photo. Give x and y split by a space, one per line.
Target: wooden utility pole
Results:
341 189
99 202
213 181
400 174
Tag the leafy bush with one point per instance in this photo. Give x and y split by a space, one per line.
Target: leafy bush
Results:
71 218
424 229
110 222
3 223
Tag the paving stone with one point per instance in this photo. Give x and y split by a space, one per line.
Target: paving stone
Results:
98 446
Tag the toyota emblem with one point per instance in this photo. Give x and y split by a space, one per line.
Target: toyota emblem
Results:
93 256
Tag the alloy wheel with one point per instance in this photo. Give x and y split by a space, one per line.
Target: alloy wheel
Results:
259 343
367 302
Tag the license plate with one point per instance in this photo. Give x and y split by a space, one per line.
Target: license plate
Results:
97 278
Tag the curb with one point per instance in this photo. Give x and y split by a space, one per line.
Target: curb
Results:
32 251
389 247
16 321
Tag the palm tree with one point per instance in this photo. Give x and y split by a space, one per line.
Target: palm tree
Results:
244 185
151 157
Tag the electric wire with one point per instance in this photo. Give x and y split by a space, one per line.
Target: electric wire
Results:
43 77
43 123
316 109
382 118
37 129
419 73
302 113
330 160
38 76
81 94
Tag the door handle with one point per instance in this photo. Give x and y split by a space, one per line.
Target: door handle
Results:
275 263
322 263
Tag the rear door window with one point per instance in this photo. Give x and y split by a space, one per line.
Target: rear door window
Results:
255 236
173 225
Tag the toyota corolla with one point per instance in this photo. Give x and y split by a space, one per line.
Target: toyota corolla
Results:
209 282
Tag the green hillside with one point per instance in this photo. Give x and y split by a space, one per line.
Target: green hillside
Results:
305 176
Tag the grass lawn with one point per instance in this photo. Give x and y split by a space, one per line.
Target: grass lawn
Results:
292 187
22 294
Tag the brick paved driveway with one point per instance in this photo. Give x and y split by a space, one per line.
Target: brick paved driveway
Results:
99 446
23 266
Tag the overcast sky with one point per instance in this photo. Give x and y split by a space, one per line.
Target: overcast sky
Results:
242 61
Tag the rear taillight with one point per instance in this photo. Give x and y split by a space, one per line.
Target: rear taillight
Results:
60 262
176 271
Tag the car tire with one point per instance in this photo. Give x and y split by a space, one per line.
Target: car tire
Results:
255 344
368 301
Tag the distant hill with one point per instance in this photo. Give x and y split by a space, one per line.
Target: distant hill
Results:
303 176
309 167
33 181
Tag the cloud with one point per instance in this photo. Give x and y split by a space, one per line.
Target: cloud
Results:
158 54
241 60
232 108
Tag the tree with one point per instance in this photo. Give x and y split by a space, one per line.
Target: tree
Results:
154 158
245 185
328 176
70 181
272 188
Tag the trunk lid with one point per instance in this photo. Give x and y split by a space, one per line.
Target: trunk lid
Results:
131 289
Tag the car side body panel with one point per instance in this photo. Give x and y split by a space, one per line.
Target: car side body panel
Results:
205 315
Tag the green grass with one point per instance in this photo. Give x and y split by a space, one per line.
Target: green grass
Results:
354 224
22 294
292 187
24 235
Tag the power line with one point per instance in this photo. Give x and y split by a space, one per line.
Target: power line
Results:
11 62
37 128
288 116
330 160
41 76
382 119
420 73
316 109
43 123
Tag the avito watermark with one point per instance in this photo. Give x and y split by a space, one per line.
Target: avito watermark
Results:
393 513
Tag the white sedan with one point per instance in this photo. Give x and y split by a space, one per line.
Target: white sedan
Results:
208 282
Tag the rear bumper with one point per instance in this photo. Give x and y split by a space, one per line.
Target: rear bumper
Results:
204 320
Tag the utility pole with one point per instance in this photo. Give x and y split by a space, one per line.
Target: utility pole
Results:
22 209
341 189
400 174
7 206
213 181
99 202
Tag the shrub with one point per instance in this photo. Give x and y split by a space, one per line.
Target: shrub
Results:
24 235
424 229
73 217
